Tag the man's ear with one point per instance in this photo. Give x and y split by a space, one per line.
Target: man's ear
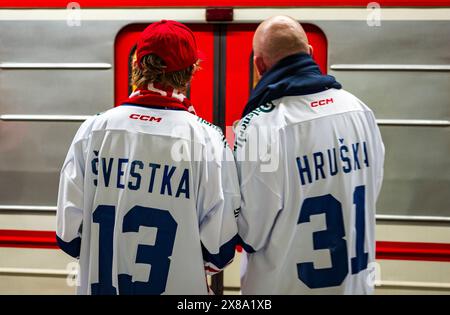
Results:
311 50
260 65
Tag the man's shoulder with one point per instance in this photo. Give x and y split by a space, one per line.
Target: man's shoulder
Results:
352 98
304 108
266 116
261 116
209 130
207 126
92 122
87 126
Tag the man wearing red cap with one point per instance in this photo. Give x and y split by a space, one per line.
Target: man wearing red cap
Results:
148 190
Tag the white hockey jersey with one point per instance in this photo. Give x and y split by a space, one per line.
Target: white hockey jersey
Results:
310 171
146 200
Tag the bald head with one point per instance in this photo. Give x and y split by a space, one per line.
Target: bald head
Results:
277 38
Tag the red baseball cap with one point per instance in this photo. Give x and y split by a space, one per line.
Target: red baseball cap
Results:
171 41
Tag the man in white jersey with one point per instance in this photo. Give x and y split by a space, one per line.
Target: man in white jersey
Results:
148 190
310 161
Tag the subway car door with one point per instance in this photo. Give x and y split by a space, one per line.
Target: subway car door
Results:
219 91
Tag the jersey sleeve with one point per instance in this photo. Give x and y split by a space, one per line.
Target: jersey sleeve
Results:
70 199
218 201
260 170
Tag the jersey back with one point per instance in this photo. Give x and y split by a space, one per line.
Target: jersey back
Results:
308 211
146 187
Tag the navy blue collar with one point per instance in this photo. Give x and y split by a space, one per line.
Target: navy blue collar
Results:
294 75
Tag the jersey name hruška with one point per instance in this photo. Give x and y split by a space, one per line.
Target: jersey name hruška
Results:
147 200
310 169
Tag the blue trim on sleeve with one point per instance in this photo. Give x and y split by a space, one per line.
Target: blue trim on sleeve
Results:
225 255
71 248
249 249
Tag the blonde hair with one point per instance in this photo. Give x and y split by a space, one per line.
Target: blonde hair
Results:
152 69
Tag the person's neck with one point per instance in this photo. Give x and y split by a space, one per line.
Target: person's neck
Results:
166 91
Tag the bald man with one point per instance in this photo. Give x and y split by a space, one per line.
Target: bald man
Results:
277 38
310 162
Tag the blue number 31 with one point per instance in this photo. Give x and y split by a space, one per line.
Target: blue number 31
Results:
156 255
333 239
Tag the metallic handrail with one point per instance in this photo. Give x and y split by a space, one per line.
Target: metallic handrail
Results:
37 271
388 67
67 118
413 122
411 218
379 217
27 208
54 66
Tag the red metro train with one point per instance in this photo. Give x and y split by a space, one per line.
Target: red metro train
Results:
61 62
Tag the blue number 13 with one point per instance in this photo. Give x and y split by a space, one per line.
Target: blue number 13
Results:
333 239
156 255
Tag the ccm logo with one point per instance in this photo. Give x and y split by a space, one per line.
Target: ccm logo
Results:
322 102
145 117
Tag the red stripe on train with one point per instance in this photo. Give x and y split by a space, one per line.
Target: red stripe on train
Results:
385 249
28 239
218 3
413 251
